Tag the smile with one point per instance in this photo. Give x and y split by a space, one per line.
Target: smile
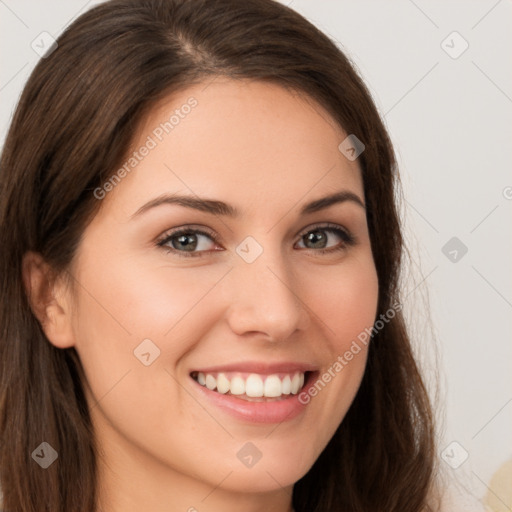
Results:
255 392
253 386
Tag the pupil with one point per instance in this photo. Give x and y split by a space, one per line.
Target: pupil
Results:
317 238
187 239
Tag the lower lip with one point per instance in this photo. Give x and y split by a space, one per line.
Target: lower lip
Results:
276 411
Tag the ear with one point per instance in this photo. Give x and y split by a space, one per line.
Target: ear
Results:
49 300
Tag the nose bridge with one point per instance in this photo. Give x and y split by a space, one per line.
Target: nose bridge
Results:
265 297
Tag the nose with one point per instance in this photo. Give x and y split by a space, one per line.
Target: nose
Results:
265 299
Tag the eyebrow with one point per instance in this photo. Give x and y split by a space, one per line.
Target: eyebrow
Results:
221 208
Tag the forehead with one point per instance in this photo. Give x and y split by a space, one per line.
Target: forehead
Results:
245 142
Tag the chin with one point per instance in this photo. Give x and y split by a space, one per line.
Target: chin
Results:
264 480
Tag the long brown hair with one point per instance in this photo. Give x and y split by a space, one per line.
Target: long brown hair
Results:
72 129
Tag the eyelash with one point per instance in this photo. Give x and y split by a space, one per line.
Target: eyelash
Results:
348 239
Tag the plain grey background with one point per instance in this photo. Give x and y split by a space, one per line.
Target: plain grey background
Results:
440 74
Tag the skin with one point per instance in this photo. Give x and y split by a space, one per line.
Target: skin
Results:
267 151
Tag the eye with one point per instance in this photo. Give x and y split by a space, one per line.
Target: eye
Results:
323 239
193 242
188 242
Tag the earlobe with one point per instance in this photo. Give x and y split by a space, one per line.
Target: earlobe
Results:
48 300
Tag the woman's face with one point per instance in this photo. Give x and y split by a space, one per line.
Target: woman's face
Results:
260 295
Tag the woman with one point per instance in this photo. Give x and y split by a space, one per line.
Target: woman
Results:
200 256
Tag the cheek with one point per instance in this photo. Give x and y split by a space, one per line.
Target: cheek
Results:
144 301
173 308
346 305
121 306
345 299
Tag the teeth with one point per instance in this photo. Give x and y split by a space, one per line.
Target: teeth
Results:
273 387
286 385
237 386
211 382
254 386
295 383
222 383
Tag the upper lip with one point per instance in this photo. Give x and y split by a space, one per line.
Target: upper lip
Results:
260 367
